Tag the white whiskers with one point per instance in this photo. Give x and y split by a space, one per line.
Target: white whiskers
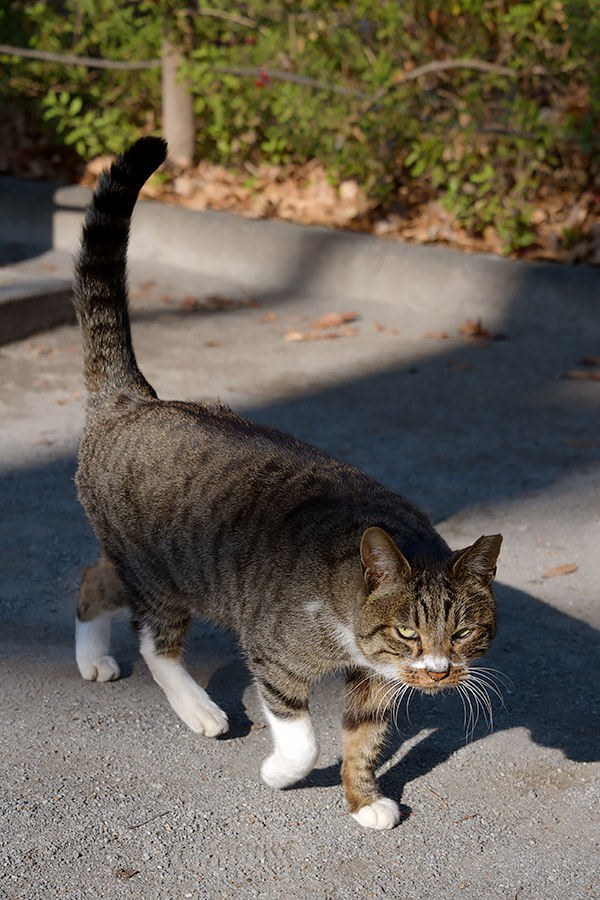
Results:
474 692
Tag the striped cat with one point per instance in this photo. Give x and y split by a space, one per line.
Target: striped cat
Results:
316 566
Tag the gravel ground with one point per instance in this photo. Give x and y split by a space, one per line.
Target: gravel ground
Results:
106 794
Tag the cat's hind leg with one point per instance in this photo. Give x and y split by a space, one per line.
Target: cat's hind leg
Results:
100 595
161 645
295 750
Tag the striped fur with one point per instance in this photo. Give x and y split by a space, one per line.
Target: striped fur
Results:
311 562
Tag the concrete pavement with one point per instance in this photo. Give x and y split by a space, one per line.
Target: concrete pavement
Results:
105 792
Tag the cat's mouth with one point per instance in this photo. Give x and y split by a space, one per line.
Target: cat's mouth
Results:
434 682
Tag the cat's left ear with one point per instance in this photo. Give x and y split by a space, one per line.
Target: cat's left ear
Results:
381 559
478 560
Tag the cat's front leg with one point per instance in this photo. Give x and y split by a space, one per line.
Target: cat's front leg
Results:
366 720
161 647
295 750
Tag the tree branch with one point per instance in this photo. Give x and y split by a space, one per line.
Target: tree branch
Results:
68 59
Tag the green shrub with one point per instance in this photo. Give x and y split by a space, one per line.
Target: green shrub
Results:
483 142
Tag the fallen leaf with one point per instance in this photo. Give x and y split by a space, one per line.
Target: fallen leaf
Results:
590 361
458 367
349 331
293 335
331 320
48 267
43 350
268 317
146 284
377 326
74 396
438 335
125 874
474 333
581 375
565 569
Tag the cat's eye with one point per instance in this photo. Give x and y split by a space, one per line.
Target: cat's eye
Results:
463 633
406 632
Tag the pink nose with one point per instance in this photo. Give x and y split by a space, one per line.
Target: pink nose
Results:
438 676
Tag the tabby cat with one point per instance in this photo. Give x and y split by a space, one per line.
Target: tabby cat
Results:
316 566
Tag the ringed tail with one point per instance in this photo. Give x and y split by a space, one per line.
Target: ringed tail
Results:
100 292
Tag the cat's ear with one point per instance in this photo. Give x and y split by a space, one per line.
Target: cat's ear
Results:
381 559
478 560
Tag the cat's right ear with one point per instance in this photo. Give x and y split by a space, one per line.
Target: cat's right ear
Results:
382 561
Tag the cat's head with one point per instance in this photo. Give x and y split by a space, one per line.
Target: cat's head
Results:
423 622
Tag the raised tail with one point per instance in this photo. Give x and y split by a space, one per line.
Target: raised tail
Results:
100 285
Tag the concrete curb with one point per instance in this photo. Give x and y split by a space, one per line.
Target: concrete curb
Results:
29 304
275 259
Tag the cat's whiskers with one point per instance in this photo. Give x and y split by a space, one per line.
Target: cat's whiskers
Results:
488 684
493 674
384 703
477 689
470 719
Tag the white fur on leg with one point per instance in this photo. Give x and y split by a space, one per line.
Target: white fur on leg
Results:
295 752
188 699
382 814
92 643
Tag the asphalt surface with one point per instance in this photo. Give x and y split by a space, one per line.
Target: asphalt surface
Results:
106 794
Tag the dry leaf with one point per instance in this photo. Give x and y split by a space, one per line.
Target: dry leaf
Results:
43 350
474 333
74 396
331 320
438 335
377 326
349 331
268 317
565 569
293 335
581 375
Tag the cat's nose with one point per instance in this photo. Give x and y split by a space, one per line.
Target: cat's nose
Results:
438 676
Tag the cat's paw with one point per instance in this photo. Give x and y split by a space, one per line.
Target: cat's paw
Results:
381 815
202 715
104 669
278 772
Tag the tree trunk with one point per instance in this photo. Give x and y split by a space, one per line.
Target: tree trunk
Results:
177 109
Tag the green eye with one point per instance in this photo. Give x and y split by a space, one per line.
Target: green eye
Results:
406 632
463 633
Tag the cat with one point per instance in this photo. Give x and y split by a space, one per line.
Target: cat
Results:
316 566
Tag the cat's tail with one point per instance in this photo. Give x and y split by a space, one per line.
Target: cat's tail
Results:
100 284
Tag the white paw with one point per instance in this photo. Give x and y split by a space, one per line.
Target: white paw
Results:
104 669
382 814
278 772
202 715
